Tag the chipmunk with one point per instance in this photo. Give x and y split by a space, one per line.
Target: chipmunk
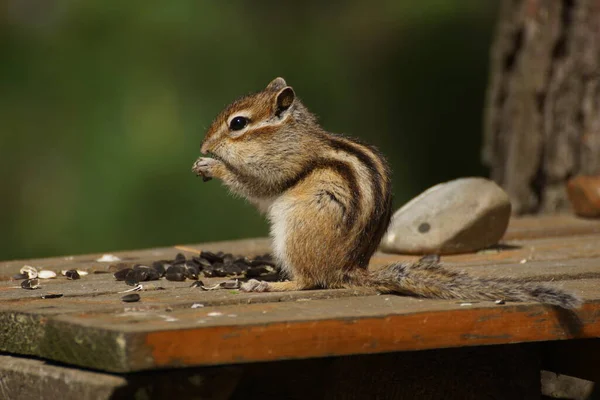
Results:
329 202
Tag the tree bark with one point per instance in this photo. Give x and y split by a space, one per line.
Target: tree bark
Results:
542 113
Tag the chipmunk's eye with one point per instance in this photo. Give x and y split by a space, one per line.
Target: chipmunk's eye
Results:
238 123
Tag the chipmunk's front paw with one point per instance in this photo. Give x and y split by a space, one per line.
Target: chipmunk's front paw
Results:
207 168
255 286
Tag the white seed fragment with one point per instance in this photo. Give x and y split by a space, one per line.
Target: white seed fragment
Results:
46 274
466 304
134 289
108 258
214 314
523 261
197 305
30 271
81 272
500 301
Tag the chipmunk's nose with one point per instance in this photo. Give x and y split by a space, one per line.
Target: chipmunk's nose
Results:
206 146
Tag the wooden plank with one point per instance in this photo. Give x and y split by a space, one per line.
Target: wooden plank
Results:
91 327
145 336
91 289
23 378
527 251
516 251
531 227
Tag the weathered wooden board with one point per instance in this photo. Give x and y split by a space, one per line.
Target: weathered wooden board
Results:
545 226
175 325
98 332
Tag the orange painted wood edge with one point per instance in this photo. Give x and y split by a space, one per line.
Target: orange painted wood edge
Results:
337 337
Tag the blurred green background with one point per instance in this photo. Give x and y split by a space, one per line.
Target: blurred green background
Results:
104 103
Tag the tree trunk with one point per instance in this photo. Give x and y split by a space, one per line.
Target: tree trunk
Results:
542 114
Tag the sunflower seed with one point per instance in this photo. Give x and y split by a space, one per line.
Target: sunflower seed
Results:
52 296
72 274
30 284
179 259
191 271
46 274
131 298
18 277
159 267
30 271
121 274
175 276
211 257
203 262
108 258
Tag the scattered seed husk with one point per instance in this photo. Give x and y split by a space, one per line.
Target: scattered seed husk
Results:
197 305
46 274
131 298
137 288
82 272
197 284
215 287
30 271
72 274
30 284
500 302
19 277
52 296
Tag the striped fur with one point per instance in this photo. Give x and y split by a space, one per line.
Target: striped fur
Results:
329 201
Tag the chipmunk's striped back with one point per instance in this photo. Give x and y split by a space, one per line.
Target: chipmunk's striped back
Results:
329 202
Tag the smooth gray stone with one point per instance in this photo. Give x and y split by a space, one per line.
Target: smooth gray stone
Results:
460 216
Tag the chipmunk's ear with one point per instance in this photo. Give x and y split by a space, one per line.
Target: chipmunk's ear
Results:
285 98
276 84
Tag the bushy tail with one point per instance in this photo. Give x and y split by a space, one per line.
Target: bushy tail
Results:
431 280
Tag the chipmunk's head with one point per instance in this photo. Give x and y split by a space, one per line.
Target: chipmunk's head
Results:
257 125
